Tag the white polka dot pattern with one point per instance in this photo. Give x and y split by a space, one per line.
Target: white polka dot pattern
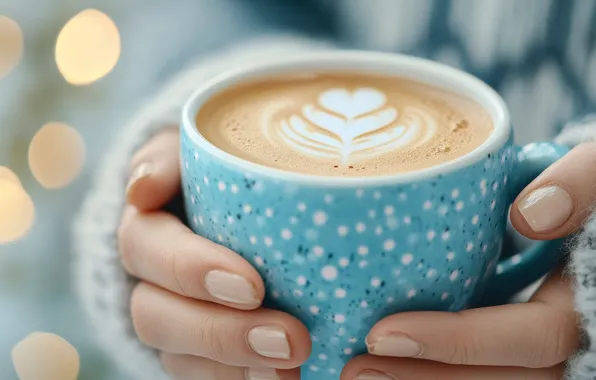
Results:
340 259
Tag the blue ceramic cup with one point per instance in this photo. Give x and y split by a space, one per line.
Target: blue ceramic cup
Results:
342 253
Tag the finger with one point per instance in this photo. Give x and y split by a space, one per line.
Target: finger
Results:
155 172
179 325
558 202
186 367
158 248
376 368
542 333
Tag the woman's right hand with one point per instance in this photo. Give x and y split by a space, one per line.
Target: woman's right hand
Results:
198 303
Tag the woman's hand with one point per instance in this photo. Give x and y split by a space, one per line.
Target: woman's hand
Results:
520 341
198 302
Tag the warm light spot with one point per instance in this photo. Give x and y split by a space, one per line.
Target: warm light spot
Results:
44 356
88 47
16 211
11 45
8 175
56 155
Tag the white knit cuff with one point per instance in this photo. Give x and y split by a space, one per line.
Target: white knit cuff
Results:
577 132
583 264
103 286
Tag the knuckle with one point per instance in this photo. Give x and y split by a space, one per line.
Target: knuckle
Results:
463 352
566 338
213 339
143 323
181 271
558 342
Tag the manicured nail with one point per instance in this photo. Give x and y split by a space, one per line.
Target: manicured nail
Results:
547 208
269 341
373 375
396 345
261 374
229 287
142 170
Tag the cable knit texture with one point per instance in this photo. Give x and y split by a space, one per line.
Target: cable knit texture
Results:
583 265
105 288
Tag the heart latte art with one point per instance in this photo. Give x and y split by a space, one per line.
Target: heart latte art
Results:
342 124
345 124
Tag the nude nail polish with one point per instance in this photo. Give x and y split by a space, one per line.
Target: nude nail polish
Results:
261 374
142 170
546 208
229 287
396 345
270 342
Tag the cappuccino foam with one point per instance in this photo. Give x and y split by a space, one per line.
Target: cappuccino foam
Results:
343 124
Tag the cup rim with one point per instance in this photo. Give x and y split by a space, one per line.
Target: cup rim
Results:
417 69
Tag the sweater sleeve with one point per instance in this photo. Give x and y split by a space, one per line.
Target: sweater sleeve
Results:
583 265
102 285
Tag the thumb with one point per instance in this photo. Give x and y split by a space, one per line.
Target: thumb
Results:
560 200
155 174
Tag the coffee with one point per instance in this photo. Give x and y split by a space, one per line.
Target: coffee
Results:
343 124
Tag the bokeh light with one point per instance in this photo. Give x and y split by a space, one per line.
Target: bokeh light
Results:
45 356
9 175
88 47
11 45
56 155
17 211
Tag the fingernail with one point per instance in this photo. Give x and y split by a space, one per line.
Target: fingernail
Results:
546 208
397 345
269 341
229 287
142 170
373 375
261 374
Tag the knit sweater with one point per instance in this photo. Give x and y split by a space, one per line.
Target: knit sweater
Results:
104 286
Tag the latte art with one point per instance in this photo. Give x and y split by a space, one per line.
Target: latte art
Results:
343 125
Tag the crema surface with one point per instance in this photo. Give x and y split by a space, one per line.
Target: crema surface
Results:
343 124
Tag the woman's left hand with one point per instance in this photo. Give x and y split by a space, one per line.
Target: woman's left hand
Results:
520 341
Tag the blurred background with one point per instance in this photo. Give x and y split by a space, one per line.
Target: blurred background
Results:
35 292
157 38
131 47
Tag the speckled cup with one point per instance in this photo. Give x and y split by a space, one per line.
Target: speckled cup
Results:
342 253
